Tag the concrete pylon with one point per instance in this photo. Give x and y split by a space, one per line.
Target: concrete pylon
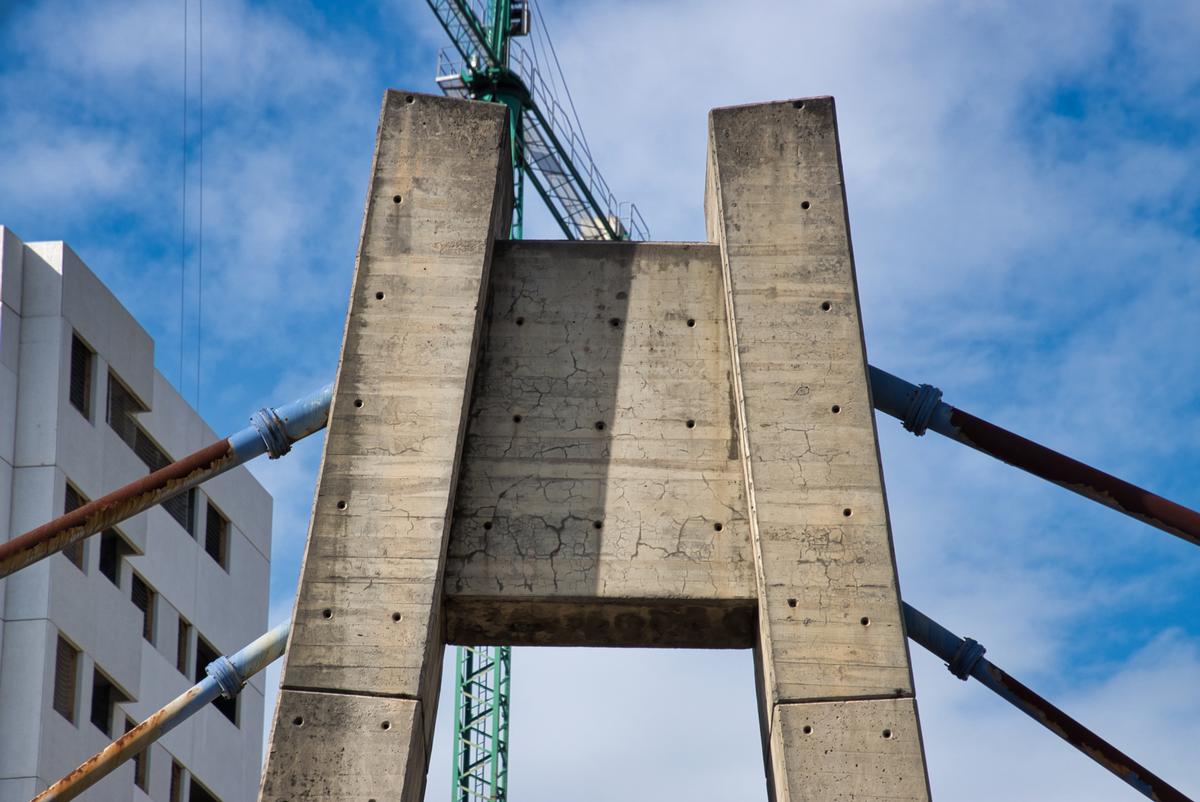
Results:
600 444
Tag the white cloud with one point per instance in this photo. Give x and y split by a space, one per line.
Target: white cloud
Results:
1042 269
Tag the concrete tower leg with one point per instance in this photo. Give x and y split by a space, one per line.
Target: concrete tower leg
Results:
359 690
838 716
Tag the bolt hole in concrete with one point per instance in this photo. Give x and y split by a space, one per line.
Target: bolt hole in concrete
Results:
341 505
865 621
691 424
691 322
386 725
806 729
614 322
358 402
516 418
397 198
599 425
520 321
847 512
327 613
298 721
804 204
835 409
791 603
717 527
396 616
887 733
826 306
487 524
379 296
410 99
597 524
797 104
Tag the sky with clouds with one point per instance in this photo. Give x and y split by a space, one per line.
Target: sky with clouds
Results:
1023 182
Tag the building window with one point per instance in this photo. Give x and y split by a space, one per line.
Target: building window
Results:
183 509
112 548
216 536
143 597
141 762
123 409
205 654
198 793
181 646
66 670
105 698
81 376
176 794
73 500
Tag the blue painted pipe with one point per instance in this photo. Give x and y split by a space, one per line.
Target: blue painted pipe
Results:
964 658
226 677
271 431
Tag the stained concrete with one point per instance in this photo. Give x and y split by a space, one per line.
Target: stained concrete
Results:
601 497
601 444
366 641
829 622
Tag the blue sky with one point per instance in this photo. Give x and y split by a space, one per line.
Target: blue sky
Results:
1024 191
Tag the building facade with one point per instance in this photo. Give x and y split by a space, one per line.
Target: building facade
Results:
94 639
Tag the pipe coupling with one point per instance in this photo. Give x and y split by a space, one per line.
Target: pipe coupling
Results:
226 675
965 658
270 428
921 406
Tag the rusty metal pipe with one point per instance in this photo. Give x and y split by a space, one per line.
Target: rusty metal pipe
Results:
272 431
226 677
921 408
964 658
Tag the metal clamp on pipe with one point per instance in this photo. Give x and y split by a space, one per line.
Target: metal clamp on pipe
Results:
226 677
920 408
964 658
271 432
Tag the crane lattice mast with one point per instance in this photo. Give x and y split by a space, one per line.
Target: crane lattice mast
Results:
486 63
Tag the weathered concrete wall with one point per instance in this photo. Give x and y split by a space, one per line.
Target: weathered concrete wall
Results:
830 632
359 687
601 497
663 444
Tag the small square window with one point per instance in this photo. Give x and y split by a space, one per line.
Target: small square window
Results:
143 597
216 536
112 548
176 791
66 672
105 698
182 642
205 654
73 500
81 376
141 762
198 793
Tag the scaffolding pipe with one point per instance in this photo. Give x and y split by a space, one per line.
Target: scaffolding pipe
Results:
964 658
272 431
226 677
921 408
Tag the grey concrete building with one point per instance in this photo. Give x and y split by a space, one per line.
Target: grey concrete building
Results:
96 638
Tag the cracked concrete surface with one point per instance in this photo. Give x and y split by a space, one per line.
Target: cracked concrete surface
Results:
600 463
604 444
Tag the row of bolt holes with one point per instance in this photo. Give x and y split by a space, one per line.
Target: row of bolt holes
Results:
383 725
807 730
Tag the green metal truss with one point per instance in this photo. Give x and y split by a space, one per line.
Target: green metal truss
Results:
481 724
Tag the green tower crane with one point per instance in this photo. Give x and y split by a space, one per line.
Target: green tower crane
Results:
548 150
